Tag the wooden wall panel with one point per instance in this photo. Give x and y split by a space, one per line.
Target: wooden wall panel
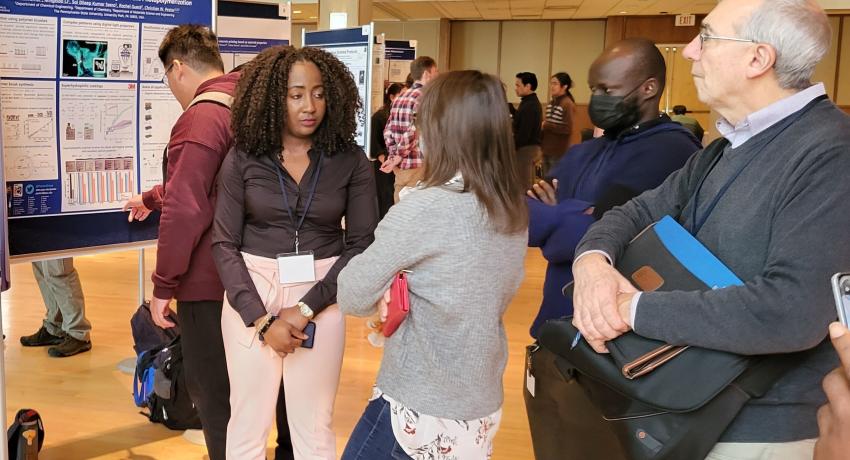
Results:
475 45
843 77
660 29
531 54
575 45
826 70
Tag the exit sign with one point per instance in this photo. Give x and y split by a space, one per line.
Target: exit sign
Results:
686 20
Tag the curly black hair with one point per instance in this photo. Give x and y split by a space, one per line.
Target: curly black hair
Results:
259 108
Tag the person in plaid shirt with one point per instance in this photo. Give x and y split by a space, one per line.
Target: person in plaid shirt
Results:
404 155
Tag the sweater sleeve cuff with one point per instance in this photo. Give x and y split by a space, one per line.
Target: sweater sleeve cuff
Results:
163 292
150 198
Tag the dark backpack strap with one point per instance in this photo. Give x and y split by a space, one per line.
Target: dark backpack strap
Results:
761 376
216 97
164 166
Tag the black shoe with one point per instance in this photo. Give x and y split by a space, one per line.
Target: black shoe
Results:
40 339
69 347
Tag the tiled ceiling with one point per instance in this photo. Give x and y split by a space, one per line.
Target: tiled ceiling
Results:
531 9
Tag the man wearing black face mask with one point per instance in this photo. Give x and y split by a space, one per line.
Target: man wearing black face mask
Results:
640 148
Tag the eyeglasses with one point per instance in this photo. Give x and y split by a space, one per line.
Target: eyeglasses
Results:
704 37
165 75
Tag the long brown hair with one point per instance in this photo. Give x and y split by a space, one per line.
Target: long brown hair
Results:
465 128
259 108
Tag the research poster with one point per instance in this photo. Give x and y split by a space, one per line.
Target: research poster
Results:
158 111
354 48
85 115
376 99
236 51
399 54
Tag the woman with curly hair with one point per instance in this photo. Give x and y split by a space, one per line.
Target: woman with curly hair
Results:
294 173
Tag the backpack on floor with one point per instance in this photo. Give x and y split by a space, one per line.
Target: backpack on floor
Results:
146 334
147 339
25 436
160 386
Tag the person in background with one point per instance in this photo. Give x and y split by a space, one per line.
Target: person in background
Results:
527 122
185 271
445 395
640 148
383 181
404 157
65 327
558 123
294 173
679 116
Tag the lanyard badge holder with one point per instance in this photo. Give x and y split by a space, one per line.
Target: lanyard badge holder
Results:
298 266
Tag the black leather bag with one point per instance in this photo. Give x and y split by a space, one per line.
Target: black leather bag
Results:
677 411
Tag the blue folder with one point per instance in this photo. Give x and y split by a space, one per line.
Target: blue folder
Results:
680 259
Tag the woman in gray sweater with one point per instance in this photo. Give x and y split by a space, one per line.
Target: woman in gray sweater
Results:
462 234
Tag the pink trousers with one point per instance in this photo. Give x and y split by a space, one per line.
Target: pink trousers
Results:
310 376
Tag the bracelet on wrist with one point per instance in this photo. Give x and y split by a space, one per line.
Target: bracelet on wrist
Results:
265 327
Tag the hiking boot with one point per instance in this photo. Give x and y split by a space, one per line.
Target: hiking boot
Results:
69 347
40 339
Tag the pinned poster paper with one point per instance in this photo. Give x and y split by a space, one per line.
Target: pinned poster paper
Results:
71 115
354 47
338 20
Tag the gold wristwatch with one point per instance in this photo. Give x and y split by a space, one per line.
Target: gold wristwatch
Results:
305 310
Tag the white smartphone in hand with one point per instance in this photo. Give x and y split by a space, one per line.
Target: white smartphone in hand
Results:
841 291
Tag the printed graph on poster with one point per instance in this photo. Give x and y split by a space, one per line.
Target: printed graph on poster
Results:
152 35
98 133
29 129
28 46
158 111
95 182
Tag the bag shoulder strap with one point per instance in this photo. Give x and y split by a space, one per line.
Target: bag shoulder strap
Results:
217 97
761 376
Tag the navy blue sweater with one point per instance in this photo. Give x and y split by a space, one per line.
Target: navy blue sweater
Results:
637 160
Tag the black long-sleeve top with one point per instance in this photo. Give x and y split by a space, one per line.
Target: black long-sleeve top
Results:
251 217
528 121
379 122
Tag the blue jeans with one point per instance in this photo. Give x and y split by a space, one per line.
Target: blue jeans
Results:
373 438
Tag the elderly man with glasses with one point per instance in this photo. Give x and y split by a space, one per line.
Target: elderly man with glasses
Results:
769 199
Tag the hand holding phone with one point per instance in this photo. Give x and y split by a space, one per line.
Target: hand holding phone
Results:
841 291
310 330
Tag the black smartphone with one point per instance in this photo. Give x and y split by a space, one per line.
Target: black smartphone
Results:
310 330
841 291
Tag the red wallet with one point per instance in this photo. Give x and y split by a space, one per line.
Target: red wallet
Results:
399 305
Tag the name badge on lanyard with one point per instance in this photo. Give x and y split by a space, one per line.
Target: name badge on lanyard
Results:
298 266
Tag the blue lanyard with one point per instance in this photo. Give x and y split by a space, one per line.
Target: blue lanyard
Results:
313 184
698 223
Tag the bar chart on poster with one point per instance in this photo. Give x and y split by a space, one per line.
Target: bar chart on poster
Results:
85 116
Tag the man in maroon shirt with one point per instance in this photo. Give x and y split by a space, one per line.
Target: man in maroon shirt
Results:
185 270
